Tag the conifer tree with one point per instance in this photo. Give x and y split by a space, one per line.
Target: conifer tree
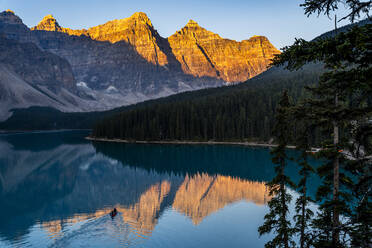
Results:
355 8
277 219
340 98
304 214
361 168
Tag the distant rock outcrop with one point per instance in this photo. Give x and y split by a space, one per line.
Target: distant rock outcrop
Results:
9 17
203 53
49 23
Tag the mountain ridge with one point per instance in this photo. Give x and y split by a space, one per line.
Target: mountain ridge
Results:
126 29
202 42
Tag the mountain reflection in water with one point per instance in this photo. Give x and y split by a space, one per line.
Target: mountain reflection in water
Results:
60 194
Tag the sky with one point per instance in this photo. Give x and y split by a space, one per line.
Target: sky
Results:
281 21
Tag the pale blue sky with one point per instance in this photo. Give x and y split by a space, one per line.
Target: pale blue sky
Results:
279 20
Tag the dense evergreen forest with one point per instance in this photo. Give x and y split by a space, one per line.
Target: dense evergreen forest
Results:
241 112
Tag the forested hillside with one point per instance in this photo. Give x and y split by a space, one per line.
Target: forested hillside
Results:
241 112
261 89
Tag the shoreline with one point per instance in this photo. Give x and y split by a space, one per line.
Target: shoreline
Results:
39 131
178 142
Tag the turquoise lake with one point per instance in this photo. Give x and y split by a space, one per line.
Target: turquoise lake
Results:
57 189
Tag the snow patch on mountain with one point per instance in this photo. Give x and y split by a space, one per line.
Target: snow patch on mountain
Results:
82 84
112 89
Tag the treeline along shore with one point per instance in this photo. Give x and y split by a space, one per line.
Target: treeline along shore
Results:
179 142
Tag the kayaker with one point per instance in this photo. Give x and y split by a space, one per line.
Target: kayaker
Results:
113 213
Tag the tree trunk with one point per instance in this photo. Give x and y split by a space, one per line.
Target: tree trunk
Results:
336 165
282 197
302 239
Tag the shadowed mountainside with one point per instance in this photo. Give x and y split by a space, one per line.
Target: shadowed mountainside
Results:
30 76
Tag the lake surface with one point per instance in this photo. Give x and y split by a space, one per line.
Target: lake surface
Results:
57 189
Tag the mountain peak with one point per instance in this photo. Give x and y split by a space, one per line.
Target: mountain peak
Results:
49 23
192 23
195 31
141 17
10 17
258 38
47 17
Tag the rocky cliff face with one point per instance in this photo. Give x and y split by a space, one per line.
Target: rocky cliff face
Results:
136 30
38 68
49 23
203 53
193 49
32 77
12 27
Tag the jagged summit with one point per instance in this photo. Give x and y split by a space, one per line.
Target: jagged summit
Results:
257 38
194 31
142 17
8 16
48 23
50 16
192 23
204 53
136 30
125 23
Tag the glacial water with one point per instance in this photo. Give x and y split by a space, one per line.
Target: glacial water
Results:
57 189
